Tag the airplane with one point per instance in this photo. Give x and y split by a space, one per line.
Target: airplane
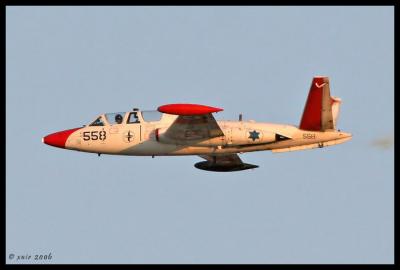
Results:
191 129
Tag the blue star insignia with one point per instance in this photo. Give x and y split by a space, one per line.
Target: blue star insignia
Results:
254 135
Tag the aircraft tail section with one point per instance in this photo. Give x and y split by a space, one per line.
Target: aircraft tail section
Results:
321 111
335 110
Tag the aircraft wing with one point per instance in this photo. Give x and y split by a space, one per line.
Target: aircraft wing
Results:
195 122
223 163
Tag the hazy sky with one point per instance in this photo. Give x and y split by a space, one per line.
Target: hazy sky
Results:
66 65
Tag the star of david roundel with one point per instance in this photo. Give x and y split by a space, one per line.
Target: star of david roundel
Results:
254 135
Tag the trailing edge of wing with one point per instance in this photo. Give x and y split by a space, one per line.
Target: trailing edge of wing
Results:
193 127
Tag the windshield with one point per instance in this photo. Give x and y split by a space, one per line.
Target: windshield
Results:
97 122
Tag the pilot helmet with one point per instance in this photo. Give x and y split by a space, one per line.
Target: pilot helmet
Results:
118 118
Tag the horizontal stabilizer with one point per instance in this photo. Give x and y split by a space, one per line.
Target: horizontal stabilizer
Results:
311 146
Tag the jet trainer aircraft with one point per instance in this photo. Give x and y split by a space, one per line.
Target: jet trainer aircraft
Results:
191 129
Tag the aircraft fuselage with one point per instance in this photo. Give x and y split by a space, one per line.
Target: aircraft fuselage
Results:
239 136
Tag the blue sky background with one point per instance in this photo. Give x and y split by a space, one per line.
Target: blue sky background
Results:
66 65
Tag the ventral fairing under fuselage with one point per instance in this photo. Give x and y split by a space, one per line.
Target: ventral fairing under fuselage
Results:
191 129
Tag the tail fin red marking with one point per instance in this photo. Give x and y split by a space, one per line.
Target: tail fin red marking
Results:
317 114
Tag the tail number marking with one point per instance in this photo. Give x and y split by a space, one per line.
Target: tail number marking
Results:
309 136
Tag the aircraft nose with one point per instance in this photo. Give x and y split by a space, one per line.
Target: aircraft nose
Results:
58 139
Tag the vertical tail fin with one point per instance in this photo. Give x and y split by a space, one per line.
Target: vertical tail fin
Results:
321 110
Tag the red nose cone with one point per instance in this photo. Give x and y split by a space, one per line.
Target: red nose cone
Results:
58 139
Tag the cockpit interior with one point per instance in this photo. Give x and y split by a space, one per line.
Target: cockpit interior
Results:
132 117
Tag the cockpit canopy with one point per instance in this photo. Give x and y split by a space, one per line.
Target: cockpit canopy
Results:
133 117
